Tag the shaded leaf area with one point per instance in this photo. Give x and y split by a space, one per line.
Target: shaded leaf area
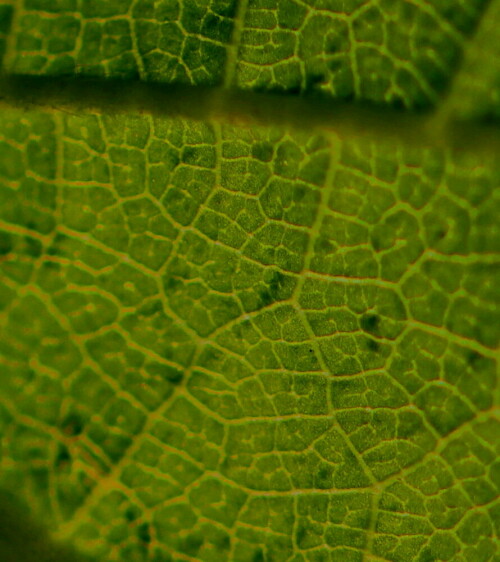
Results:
22 539
221 343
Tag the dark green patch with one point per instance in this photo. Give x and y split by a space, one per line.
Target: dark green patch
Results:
258 556
224 542
151 308
72 425
276 283
473 358
293 90
130 515
312 80
369 323
143 533
263 151
324 478
173 375
63 457
265 298
32 247
435 234
172 284
271 293
5 18
336 64
6 243
52 265
192 544
56 248
372 345
301 535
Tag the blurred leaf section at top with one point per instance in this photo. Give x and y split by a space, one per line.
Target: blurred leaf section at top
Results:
167 41
395 52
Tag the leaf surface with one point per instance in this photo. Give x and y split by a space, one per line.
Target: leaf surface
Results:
222 342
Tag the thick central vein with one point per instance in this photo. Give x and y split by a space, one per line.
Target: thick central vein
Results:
347 119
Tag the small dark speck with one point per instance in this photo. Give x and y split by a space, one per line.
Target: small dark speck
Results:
440 234
373 345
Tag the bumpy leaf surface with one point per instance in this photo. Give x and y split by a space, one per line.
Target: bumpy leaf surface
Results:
251 344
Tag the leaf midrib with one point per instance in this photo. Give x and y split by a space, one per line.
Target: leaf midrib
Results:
349 120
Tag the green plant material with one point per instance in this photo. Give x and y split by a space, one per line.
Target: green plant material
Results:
170 40
401 53
232 343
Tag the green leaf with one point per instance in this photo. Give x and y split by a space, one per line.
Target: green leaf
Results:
397 52
228 335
